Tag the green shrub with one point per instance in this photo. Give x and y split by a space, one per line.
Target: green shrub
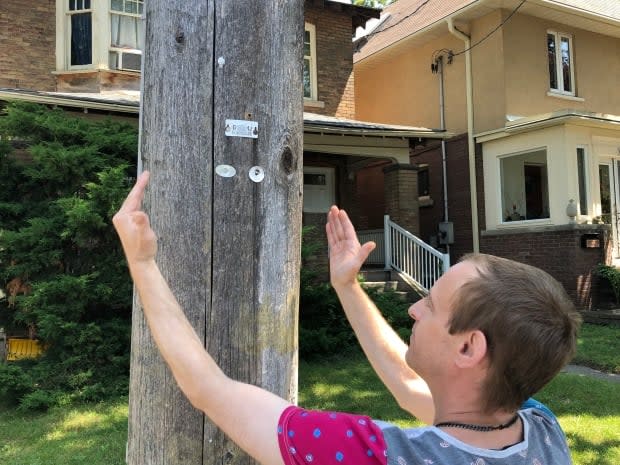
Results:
612 275
61 266
324 330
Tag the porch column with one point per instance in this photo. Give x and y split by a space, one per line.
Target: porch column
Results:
401 196
350 200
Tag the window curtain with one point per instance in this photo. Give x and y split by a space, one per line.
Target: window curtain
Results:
127 32
81 39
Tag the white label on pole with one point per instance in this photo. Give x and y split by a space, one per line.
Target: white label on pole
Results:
242 128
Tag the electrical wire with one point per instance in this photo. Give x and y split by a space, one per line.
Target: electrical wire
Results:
489 34
450 54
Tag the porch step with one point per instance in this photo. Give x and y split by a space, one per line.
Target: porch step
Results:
406 296
381 285
383 280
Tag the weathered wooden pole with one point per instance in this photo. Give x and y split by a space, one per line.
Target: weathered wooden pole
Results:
228 244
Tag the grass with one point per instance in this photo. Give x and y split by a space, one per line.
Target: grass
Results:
87 434
588 409
598 347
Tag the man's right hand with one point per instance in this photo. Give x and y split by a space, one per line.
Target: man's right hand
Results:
346 255
132 225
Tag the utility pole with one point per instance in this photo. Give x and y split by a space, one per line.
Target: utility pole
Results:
221 130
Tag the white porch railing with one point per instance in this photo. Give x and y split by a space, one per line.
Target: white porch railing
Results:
419 264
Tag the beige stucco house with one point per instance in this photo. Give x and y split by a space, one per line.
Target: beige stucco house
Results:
533 90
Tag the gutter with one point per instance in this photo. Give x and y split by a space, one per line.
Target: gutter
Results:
471 147
384 133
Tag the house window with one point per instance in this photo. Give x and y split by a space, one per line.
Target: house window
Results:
309 73
81 32
605 192
560 56
126 33
582 172
423 181
101 34
524 186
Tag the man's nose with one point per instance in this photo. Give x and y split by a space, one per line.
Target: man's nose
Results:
412 312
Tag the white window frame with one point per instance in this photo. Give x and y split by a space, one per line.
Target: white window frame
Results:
101 13
67 33
120 51
521 200
558 36
312 58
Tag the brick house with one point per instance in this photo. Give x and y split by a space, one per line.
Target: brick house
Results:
85 55
530 89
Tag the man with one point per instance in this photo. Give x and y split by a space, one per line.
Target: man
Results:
489 335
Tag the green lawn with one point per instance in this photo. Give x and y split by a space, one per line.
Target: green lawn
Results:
599 347
588 409
81 435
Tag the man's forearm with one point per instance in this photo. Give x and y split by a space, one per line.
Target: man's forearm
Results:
246 413
175 337
386 352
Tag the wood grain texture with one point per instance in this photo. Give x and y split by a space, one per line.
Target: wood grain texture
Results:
229 247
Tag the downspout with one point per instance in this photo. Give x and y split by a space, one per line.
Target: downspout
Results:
470 134
442 126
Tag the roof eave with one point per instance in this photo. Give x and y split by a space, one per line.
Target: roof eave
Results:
376 132
81 103
549 120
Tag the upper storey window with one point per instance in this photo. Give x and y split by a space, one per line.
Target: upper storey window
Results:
81 35
127 31
99 34
561 68
310 87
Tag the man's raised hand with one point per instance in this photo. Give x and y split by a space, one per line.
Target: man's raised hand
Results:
346 255
132 225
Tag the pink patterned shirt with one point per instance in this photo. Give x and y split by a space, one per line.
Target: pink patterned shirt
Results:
311 437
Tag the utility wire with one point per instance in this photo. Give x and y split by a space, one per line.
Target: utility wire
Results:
489 34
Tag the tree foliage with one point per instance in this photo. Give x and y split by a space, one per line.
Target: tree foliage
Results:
372 3
62 270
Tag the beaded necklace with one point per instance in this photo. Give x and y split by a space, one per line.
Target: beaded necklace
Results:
483 428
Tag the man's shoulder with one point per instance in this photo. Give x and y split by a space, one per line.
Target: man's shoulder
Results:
543 437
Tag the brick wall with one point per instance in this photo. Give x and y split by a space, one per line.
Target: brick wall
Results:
371 194
28 44
401 196
459 204
557 250
334 54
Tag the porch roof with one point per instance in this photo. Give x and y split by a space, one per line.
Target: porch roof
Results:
330 124
567 116
128 102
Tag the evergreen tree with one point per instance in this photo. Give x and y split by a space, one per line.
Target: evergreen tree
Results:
372 3
62 270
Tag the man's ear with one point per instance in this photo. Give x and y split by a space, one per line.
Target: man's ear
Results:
472 349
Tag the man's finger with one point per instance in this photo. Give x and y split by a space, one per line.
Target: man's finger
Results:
135 196
347 227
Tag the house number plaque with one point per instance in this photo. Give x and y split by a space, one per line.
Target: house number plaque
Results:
242 128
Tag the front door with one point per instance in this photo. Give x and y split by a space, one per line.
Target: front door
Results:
609 189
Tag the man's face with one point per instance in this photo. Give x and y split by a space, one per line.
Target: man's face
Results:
431 346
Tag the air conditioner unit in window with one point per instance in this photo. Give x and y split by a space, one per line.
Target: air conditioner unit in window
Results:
125 60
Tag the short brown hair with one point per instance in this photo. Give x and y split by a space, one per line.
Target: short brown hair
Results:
529 322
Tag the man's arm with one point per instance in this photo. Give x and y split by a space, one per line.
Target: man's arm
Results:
247 414
383 347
